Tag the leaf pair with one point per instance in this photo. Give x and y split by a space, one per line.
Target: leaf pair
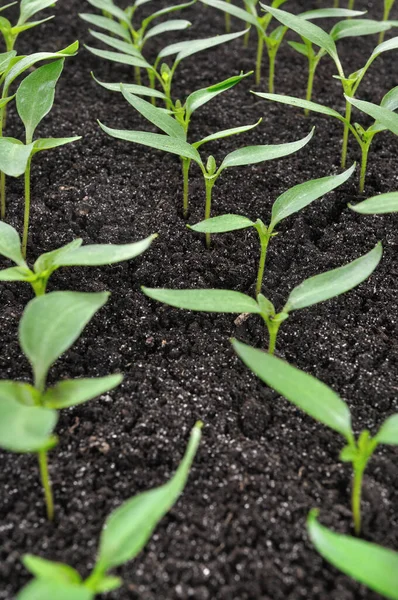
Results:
125 533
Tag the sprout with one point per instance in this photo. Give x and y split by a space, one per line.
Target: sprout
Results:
49 326
323 404
71 255
124 534
311 291
287 204
27 10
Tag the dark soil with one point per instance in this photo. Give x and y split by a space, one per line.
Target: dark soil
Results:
238 532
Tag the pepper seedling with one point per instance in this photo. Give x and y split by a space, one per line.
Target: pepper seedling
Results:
70 255
311 291
288 203
364 137
124 534
181 112
324 405
49 326
27 10
317 36
377 205
131 37
16 156
174 141
370 564
12 67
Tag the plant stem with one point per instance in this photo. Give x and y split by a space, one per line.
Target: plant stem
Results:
310 84
27 208
3 195
356 496
348 110
186 163
273 328
351 4
228 21
209 186
259 59
39 286
45 480
271 76
364 162
246 37
137 75
264 241
151 77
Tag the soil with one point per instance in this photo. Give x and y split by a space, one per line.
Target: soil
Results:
238 532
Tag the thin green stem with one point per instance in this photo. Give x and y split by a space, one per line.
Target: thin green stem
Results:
246 37
310 85
348 110
27 208
351 4
386 15
3 195
364 163
227 22
264 241
45 480
151 77
273 328
39 286
186 163
271 75
259 59
209 186
137 75
356 496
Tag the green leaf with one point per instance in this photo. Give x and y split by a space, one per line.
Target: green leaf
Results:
128 528
49 261
5 60
232 9
112 9
305 29
23 428
44 589
166 10
390 100
334 283
333 13
108 584
77 391
7 6
222 224
5 101
386 46
171 25
16 274
14 156
378 205
155 140
388 432
118 57
300 48
358 28
300 103
156 116
50 325
20 28
220 301
139 90
219 135
10 243
107 24
303 194
301 389
374 566
28 8
190 47
39 85
386 117
50 143
201 97
47 569
255 154
124 47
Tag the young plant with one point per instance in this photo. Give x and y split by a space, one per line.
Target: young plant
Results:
317 36
124 534
49 326
388 4
174 141
324 405
181 112
287 204
122 24
378 205
27 10
70 255
364 137
370 564
311 291
16 156
12 67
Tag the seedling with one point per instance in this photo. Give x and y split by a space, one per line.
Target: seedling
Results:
323 404
317 36
287 204
16 156
71 255
11 67
49 326
364 137
378 205
370 564
125 533
311 291
133 36
182 114
388 4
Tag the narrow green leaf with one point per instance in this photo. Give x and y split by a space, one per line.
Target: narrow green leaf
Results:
201 97
49 261
390 100
188 48
300 48
77 391
50 325
219 135
358 28
20 28
112 9
50 143
167 10
120 45
156 116
103 254
386 46
39 85
301 389
303 194
386 117
222 224
16 274
7 6
388 432
47 569
10 243
128 528
5 59
14 156
44 589
220 301
255 154
334 283
378 205
28 8
139 90
107 24
232 9
332 13
5 101
155 140
374 566
171 25
300 103
118 57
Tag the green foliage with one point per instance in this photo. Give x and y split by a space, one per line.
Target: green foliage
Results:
27 10
378 205
323 404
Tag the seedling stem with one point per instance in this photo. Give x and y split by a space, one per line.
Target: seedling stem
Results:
45 479
27 208
186 163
